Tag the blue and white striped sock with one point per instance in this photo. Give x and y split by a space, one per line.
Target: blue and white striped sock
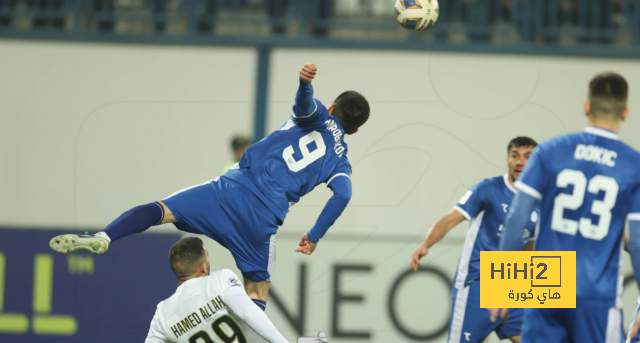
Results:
260 303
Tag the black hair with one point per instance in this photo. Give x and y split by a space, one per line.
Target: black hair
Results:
186 256
521 141
608 94
351 109
239 142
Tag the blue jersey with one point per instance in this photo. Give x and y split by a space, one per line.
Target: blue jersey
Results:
587 184
485 205
287 164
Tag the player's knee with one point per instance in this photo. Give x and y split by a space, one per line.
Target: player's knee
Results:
257 290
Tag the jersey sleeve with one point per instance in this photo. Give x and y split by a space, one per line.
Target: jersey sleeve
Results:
156 333
472 202
342 170
242 307
306 110
532 178
229 283
341 188
318 116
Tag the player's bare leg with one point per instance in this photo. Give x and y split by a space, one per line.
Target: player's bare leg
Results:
137 219
515 339
257 290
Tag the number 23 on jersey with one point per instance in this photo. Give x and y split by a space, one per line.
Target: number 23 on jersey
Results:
574 201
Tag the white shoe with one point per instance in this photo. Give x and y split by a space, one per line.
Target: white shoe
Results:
71 243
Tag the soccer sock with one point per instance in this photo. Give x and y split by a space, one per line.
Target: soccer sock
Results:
260 303
103 235
135 221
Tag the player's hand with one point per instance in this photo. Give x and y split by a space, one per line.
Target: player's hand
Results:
308 72
502 312
306 246
417 255
636 328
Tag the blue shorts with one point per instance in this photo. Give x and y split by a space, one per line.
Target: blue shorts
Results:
591 321
231 215
635 339
470 323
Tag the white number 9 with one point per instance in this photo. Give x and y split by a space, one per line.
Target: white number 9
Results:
307 156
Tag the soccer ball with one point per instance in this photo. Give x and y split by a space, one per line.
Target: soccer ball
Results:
417 15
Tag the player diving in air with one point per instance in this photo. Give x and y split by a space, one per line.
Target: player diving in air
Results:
243 209
207 307
587 185
485 205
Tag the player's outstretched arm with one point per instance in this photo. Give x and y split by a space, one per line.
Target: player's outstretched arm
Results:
635 329
634 247
435 234
341 187
519 213
305 107
242 306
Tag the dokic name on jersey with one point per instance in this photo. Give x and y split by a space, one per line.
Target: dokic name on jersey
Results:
190 322
596 154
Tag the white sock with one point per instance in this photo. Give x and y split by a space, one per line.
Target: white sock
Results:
103 235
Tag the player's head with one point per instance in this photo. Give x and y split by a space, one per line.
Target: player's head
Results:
518 152
239 145
351 109
607 98
189 258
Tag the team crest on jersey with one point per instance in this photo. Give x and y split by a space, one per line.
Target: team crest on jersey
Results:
337 136
234 282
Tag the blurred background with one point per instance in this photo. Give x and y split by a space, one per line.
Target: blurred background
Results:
105 105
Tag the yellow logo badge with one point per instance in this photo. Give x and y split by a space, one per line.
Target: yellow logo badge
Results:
527 279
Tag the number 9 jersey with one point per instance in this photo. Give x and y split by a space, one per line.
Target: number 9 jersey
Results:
287 164
588 185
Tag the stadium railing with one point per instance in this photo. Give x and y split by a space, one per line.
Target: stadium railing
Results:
573 27
505 21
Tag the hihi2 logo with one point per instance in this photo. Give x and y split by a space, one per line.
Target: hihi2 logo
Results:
527 279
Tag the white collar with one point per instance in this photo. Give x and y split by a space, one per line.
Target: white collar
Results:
505 177
601 132
192 279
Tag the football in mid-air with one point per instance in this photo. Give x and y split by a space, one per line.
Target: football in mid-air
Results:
418 15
